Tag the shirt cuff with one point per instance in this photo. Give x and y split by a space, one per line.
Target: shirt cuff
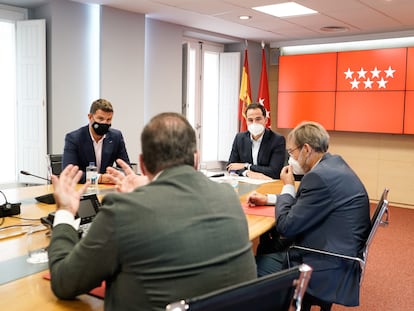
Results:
289 189
271 199
65 217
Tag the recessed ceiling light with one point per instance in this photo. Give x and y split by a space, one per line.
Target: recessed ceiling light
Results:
285 9
334 29
245 17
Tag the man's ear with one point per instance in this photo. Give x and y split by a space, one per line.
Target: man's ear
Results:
196 159
307 148
142 165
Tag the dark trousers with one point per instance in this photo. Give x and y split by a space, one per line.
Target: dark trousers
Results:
271 252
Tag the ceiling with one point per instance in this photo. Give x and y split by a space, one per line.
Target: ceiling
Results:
362 18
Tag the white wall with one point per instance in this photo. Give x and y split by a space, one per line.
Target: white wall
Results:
122 72
140 69
163 68
68 79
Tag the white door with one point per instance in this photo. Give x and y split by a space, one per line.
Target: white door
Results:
31 99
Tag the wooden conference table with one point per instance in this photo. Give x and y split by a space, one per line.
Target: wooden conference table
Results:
33 292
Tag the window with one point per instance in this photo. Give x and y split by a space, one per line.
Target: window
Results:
210 97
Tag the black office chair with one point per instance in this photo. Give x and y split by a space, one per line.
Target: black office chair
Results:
380 217
55 163
278 291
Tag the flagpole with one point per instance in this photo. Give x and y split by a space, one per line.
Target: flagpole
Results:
263 93
245 93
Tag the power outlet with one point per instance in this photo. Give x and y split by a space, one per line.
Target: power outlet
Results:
9 209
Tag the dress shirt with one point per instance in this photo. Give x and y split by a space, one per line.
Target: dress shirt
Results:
255 148
97 146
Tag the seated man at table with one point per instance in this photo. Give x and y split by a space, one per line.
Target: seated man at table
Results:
96 142
258 152
329 212
169 235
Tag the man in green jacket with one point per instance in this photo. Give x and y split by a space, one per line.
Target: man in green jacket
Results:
171 234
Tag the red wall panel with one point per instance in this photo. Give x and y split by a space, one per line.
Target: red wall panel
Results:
377 112
364 91
295 107
373 70
311 72
410 69
409 113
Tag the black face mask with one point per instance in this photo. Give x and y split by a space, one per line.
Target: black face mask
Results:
100 128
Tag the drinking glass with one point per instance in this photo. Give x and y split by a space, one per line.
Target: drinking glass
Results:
37 243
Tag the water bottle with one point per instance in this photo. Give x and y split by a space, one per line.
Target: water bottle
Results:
92 177
234 180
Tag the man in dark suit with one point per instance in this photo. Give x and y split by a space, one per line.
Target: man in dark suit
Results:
96 142
173 234
329 211
258 151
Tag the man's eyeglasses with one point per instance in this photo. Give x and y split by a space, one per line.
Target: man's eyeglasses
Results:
290 151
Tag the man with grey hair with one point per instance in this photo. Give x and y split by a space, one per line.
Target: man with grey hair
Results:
329 212
171 234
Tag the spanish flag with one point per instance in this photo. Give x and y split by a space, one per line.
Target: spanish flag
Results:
245 97
263 94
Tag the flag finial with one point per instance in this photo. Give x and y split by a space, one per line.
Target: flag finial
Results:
245 42
263 44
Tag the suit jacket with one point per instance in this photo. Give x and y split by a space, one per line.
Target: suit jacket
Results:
271 156
330 212
179 236
79 149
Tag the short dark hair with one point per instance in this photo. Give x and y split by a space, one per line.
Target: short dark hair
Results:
168 140
257 106
101 104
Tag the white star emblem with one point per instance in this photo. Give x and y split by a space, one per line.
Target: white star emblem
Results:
361 73
348 74
382 83
354 84
368 83
375 73
389 72
261 101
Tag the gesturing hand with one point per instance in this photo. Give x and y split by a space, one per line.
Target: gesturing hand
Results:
65 193
127 180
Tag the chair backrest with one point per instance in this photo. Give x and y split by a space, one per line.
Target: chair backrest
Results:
281 291
55 163
378 216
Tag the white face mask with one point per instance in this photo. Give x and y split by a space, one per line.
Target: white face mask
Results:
297 169
255 129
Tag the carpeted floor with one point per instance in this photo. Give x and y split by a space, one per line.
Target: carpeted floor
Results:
389 276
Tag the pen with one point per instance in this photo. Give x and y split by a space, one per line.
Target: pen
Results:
218 175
